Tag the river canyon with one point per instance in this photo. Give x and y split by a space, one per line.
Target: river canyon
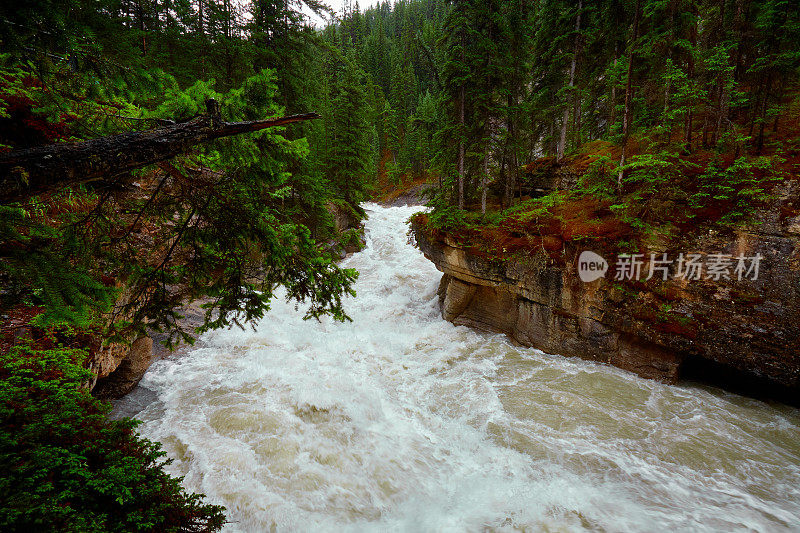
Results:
402 421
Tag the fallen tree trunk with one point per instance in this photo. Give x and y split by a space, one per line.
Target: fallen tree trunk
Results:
26 173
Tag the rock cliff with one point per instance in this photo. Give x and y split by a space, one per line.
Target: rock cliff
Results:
729 332
119 366
348 227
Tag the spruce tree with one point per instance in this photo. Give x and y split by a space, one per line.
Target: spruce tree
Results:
349 157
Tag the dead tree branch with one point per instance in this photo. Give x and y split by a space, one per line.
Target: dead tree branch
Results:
26 173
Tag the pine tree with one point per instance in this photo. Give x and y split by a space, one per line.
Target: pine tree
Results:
456 32
349 158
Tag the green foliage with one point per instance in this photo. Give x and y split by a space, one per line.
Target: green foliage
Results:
184 104
599 178
737 188
649 179
39 272
447 218
651 172
243 216
351 237
244 233
537 207
65 467
349 159
354 213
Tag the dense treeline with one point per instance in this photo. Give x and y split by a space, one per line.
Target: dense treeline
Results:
473 90
134 53
466 91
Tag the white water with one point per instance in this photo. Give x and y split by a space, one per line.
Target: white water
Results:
400 421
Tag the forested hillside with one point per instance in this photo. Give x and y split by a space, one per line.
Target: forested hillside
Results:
663 114
474 91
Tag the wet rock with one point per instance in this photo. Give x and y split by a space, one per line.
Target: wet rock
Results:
748 327
128 373
344 216
349 228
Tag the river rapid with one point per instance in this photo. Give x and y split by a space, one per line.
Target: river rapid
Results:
400 421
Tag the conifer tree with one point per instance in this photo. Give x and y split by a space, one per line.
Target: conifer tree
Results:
349 158
456 32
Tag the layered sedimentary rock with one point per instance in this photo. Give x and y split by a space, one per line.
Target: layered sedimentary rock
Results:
744 328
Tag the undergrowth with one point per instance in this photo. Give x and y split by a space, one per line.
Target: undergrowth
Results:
66 467
660 193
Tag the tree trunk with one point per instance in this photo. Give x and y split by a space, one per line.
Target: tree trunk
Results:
721 82
689 76
764 108
563 138
26 173
510 181
722 115
707 121
228 16
461 148
485 179
142 27
668 84
613 118
740 20
626 117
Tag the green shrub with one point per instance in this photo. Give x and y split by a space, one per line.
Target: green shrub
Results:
741 186
599 179
65 467
447 217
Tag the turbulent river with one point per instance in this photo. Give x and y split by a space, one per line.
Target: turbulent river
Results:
400 421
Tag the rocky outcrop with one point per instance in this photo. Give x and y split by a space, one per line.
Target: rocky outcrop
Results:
119 367
658 329
116 367
344 216
413 195
349 229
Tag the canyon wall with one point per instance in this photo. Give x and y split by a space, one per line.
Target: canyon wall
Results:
119 366
658 329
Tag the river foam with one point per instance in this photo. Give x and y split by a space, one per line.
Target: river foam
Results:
400 421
